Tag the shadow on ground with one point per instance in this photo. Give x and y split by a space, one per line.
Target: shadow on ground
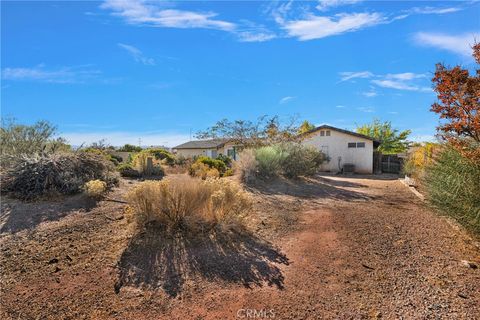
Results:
17 215
154 262
312 188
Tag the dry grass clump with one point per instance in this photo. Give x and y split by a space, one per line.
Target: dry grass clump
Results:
247 165
30 177
192 205
95 189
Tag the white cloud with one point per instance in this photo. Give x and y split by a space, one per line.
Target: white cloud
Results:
286 99
328 4
399 85
460 43
370 94
137 54
340 106
399 81
317 27
366 109
434 10
251 36
405 76
120 138
142 13
345 76
78 74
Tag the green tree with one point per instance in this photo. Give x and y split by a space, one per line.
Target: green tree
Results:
130 148
19 139
305 127
391 140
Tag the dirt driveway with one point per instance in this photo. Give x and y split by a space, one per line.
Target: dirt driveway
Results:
328 248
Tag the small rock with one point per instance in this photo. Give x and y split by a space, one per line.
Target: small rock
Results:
469 264
463 296
52 261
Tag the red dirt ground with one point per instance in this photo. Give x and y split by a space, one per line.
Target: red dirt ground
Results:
330 247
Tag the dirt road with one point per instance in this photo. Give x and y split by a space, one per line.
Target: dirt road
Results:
329 248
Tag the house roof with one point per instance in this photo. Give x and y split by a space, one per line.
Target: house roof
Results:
202 144
376 143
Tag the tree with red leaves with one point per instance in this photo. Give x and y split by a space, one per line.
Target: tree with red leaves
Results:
458 95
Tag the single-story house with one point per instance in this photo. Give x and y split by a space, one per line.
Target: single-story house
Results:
210 148
343 147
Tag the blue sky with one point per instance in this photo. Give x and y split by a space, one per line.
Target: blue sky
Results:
124 70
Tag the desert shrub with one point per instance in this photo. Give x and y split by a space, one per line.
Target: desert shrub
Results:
269 161
225 159
203 171
247 165
105 154
418 159
300 160
127 170
95 188
30 177
117 158
181 160
228 173
162 154
205 167
18 140
453 183
213 163
140 163
191 205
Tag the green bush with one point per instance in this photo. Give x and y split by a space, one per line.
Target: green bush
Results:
269 161
300 160
225 159
127 170
213 163
453 183
162 154
130 148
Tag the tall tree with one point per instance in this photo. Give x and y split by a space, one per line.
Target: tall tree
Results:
305 127
458 104
265 130
391 140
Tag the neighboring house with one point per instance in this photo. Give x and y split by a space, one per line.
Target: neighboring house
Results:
210 148
342 147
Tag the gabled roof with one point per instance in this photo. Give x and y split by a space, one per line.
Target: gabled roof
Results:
376 143
202 144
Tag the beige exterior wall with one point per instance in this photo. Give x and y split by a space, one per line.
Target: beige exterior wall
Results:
336 147
190 153
212 152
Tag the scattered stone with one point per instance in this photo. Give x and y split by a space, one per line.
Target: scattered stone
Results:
367 267
469 264
463 296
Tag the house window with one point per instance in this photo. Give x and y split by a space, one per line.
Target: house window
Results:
322 133
231 153
352 144
327 133
360 144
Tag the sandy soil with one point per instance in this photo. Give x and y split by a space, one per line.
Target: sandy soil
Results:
330 247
